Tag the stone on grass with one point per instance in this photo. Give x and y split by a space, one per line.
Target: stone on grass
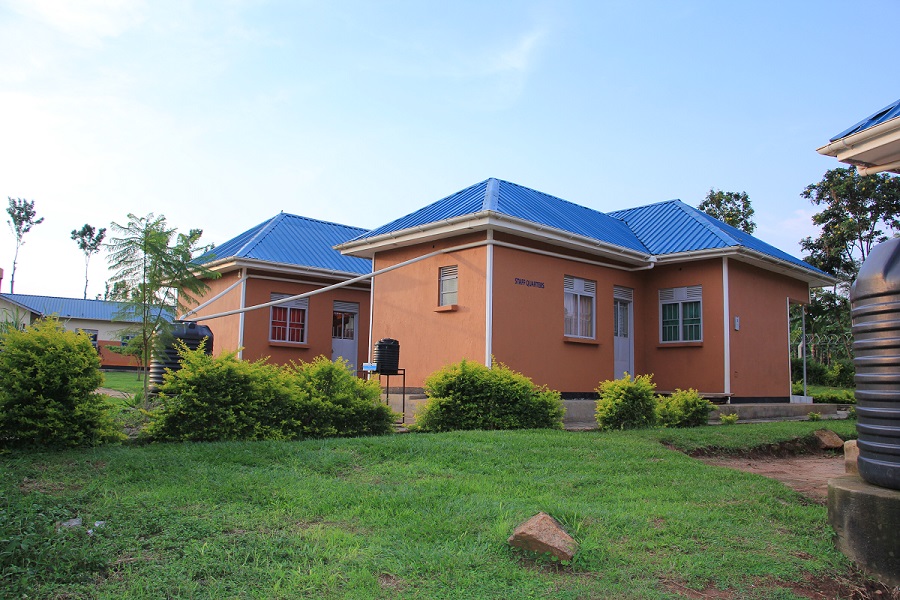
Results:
829 440
851 455
543 534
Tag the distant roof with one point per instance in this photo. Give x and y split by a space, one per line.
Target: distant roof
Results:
673 226
69 308
505 198
887 113
293 240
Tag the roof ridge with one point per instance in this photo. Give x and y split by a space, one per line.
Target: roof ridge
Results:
305 218
703 218
256 238
491 194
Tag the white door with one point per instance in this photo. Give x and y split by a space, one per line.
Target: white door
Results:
343 332
623 336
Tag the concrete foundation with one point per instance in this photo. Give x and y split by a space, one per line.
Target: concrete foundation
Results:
866 521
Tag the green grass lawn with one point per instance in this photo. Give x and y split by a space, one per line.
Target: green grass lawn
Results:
408 516
130 382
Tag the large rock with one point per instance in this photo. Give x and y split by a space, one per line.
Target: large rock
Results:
543 534
851 455
829 440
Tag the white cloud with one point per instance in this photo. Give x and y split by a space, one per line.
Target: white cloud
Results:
86 22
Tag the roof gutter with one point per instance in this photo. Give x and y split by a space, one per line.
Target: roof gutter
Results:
811 277
847 148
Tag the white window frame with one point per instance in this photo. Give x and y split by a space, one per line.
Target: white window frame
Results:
448 285
290 308
680 298
579 294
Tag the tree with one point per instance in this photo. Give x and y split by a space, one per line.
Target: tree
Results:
22 214
89 241
153 261
731 207
858 213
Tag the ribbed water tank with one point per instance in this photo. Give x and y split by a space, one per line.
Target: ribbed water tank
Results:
875 308
387 356
192 335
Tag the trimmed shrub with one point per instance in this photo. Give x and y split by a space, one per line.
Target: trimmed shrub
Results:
353 406
223 398
684 408
469 395
48 383
834 397
627 403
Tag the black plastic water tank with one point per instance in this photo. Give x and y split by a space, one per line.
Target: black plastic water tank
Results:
387 356
192 335
875 308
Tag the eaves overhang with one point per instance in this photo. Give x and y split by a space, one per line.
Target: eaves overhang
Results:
229 264
493 221
871 150
814 278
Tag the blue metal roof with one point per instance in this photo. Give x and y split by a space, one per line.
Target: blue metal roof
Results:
520 202
70 308
892 111
293 240
673 226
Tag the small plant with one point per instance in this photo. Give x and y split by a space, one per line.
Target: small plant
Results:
48 378
851 412
728 419
469 395
684 408
814 416
627 403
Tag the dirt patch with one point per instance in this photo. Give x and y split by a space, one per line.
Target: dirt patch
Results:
807 474
852 586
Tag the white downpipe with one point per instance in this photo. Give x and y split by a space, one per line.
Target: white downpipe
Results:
240 280
370 350
489 302
726 312
342 283
240 353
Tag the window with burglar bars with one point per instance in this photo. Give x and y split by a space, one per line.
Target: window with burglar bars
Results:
680 311
578 301
287 321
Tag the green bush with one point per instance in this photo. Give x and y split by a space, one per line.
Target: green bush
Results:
627 403
353 406
684 408
814 416
834 397
841 373
469 395
223 398
48 382
816 372
728 419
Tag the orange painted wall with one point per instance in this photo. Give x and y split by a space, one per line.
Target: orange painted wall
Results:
696 365
405 301
109 359
528 320
760 357
256 342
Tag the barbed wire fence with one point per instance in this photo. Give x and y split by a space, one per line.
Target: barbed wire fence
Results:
823 347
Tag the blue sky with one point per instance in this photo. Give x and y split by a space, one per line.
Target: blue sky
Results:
219 115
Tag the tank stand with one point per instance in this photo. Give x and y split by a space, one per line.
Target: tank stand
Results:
387 393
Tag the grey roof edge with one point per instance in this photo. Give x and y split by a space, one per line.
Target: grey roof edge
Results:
250 263
813 276
410 235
